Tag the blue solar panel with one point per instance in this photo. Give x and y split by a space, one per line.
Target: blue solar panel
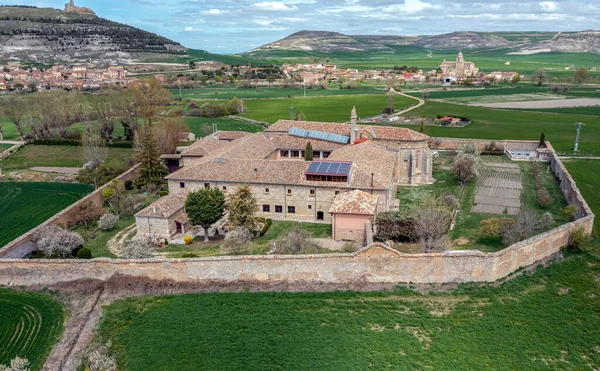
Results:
321 135
329 168
298 132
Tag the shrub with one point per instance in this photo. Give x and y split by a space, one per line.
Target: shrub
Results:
54 240
450 200
578 239
492 228
294 242
108 221
129 184
568 212
349 247
84 253
396 226
136 249
17 364
189 255
163 192
547 221
236 241
187 240
544 198
266 227
166 242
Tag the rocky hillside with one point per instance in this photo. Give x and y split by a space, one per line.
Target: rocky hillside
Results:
52 36
321 41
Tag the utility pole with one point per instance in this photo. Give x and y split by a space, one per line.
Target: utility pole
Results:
579 125
304 83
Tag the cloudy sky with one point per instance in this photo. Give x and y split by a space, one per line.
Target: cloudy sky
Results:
231 26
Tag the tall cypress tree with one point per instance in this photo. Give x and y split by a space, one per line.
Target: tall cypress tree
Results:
147 154
542 140
308 152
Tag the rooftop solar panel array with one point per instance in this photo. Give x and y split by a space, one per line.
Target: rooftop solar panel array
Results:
321 135
329 168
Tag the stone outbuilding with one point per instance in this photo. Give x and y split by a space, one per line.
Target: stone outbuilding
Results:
352 216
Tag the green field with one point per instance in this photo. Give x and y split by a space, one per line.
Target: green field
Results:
24 206
61 156
331 109
586 176
545 321
265 92
31 324
489 123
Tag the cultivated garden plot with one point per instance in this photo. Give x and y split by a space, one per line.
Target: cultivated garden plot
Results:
499 189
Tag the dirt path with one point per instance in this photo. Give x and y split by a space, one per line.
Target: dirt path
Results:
421 102
115 243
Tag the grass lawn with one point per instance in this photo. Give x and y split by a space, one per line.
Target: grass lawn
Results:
31 324
545 321
24 206
61 156
196 123
96 240
330 109
261 244
489 123
4 146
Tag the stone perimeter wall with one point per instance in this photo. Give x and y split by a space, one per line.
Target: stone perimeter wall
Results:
69 215
376 263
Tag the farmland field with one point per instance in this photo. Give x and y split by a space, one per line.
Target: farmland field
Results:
489 123
31 324
548 320
333 109
24 206
266 92
586 175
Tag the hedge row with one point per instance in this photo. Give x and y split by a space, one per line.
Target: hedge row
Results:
75 142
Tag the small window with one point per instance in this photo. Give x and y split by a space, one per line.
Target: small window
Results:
312 193
289 191
326 154
278 208
295 153
266 208
337 193
207 185
181 185
309 207
291 209
224 188
266 190
284 153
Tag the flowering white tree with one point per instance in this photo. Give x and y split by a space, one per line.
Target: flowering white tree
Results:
136 249
53 240
17 364
108 221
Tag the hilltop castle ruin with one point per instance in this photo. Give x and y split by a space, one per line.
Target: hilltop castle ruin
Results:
71 8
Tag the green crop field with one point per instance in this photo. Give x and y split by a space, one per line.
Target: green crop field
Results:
333 109
586 174
62 156
196 123
489 123
31 324
548 320
275 92
24 206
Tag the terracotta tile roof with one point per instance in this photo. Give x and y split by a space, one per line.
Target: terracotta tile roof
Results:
232 135
330 127
204 146
354 202
285 141
255 146
394 133
367 158
165 206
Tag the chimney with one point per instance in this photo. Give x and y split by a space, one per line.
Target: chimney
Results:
255 173
153 209
353 128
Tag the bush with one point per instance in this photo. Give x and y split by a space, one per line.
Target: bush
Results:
266 227
188 240
396 226
108 221
189 255
349 247
568 212
578 239
84 253
55 241
544 198
294 242
236 241
136 249
492 228
129 184
450 200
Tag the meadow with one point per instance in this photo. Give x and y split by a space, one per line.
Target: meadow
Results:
31 324
585 173
24 206
331 109
274 92
548 320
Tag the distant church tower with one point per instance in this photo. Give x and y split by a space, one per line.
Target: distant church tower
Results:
460 62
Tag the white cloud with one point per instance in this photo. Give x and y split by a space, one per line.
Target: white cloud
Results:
409 6
549 5
192 29
213 12
277 6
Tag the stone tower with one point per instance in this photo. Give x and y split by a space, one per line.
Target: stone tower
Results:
460 63
353 128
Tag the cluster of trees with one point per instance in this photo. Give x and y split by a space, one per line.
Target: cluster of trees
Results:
234 106
543 196
581 76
